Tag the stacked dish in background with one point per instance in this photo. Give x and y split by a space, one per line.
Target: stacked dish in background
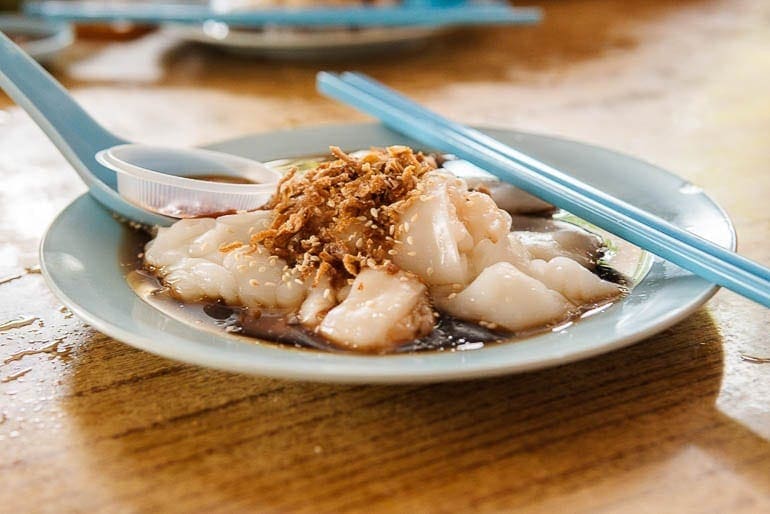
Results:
295 28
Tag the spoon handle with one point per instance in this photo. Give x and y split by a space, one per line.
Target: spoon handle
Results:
76 134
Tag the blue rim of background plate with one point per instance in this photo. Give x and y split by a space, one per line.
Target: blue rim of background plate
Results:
663 298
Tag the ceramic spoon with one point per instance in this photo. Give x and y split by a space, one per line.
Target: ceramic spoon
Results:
81 139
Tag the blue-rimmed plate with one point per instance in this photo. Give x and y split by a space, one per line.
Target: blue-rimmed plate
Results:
41 39
82 268
306 44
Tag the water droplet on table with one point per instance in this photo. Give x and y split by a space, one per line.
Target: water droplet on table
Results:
15 376
753 359
52 348
17 322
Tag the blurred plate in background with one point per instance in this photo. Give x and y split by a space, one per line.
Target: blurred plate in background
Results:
292 43
41 39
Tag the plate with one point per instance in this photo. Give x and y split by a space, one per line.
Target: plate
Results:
289 43
47 38
82 268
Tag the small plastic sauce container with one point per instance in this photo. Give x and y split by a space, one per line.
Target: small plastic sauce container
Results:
163 180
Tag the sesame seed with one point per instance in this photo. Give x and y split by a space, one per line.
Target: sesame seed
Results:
261 269
429 271
253 283
410 240
411 254
451 296
270 284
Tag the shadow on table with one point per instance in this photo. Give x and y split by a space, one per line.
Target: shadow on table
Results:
174 437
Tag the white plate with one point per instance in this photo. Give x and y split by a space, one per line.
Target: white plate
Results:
50 37
81 267
291 43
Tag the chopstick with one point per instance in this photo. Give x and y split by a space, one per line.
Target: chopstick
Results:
378 89
473 13
647 231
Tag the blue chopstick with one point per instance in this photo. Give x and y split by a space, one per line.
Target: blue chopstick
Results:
700 262
376 88
472 13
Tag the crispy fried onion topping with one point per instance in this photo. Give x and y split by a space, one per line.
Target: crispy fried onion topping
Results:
340 217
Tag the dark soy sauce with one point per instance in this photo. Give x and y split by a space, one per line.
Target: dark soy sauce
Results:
451 333
448 333
610 274
223 179
276 327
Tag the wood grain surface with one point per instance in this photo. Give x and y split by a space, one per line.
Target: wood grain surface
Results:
677 423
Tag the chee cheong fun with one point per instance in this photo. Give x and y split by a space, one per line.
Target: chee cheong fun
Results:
366 249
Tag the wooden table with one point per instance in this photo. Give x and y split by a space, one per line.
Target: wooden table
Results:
677 423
